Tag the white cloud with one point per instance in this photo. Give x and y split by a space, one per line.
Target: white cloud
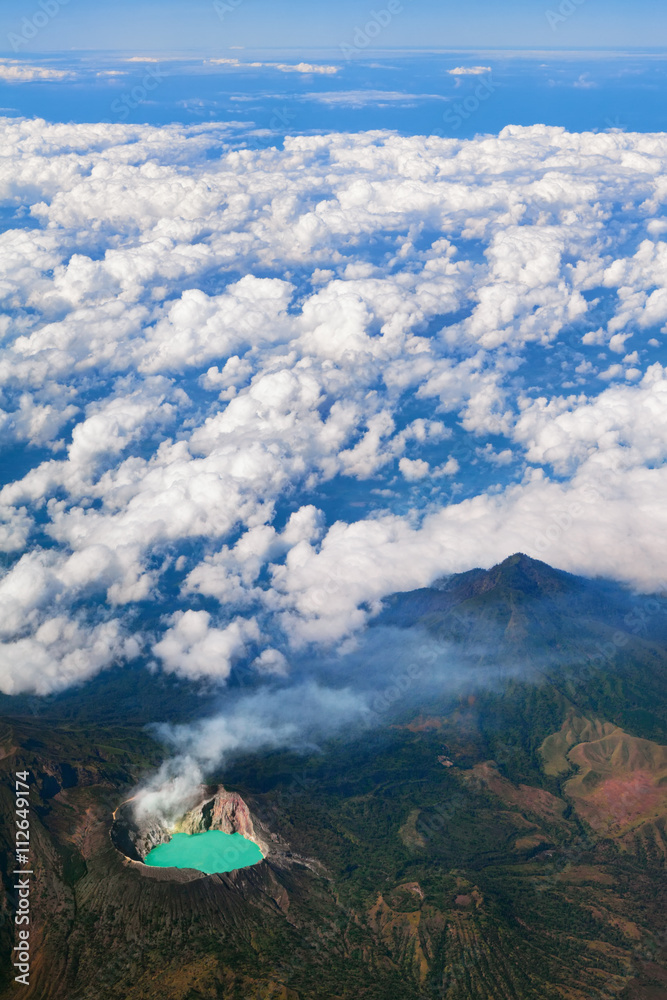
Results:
192 648
614 371
469 70
302 67
626 424
35 422
362 98
14 71
414 469
317 69
584 82
60 654
450 468
271 662
246 340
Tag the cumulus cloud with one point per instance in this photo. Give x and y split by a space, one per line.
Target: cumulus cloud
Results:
414 469
285 383
15 71
272 662
61 653
192 648
625 425
469 70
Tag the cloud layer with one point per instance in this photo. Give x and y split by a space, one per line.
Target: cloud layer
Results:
257 391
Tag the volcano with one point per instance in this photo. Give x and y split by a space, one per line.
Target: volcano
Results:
504 842
223 811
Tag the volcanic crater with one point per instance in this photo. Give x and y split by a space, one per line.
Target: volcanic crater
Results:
218 809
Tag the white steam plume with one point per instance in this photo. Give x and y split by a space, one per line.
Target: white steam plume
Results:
264 720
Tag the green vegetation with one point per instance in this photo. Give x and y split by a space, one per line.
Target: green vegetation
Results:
406 877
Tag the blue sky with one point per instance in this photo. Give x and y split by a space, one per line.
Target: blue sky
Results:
408 92
197 26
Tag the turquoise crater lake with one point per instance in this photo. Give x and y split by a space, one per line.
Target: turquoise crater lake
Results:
209 852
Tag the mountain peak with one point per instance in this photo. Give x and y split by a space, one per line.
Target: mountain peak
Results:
521 572
517 586
521 559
